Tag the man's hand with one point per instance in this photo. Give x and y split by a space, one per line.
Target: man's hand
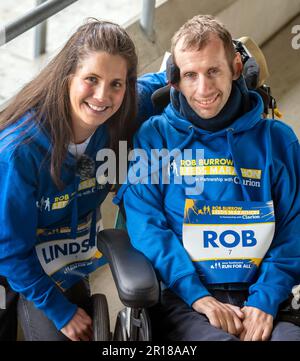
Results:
220 315
79 328
258 325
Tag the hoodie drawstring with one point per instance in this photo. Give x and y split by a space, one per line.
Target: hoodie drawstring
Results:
236 164
188 139
74 219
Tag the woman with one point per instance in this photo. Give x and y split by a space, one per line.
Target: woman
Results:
83 101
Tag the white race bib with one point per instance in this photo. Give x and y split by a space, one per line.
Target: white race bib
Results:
227 240
67 260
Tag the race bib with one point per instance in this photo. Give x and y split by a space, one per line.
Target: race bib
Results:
67 260
227 240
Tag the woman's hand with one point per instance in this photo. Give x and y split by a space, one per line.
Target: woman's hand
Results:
221 315
80 327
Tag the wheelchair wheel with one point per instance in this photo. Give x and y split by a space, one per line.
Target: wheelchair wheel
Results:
132 325
101 327
144 331
120 332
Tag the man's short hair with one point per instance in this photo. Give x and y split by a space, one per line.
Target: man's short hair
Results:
196 32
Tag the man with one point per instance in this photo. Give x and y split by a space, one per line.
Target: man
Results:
226 267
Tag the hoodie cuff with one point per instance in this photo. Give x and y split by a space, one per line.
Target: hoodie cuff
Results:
190 288
265 301
61 310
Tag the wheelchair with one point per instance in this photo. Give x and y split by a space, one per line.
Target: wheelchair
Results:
135 279
137 286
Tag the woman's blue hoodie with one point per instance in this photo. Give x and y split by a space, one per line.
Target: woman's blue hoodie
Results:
34 210
155 212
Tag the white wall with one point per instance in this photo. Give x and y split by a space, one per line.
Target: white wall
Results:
259 19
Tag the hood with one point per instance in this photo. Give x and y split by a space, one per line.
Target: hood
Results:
247 121
24 131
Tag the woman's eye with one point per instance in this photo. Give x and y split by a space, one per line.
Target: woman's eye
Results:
92 79
117 84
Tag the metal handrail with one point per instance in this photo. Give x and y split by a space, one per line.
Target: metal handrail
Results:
147 18
40 35
32 18
45 9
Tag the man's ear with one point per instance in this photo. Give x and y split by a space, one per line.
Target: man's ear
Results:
237 66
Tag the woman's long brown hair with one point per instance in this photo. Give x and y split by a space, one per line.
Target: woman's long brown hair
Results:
48 93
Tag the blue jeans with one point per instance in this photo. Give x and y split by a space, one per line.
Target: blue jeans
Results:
174 320
37 327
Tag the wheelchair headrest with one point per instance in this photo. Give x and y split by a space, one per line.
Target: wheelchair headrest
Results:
255 53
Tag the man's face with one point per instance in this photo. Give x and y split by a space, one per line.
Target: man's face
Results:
205 77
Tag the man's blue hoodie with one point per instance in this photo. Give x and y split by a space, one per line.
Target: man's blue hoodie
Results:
155 212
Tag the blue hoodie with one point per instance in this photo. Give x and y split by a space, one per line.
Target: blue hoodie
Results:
255 161
42 226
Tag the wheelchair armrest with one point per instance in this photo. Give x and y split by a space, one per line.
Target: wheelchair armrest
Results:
133 274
